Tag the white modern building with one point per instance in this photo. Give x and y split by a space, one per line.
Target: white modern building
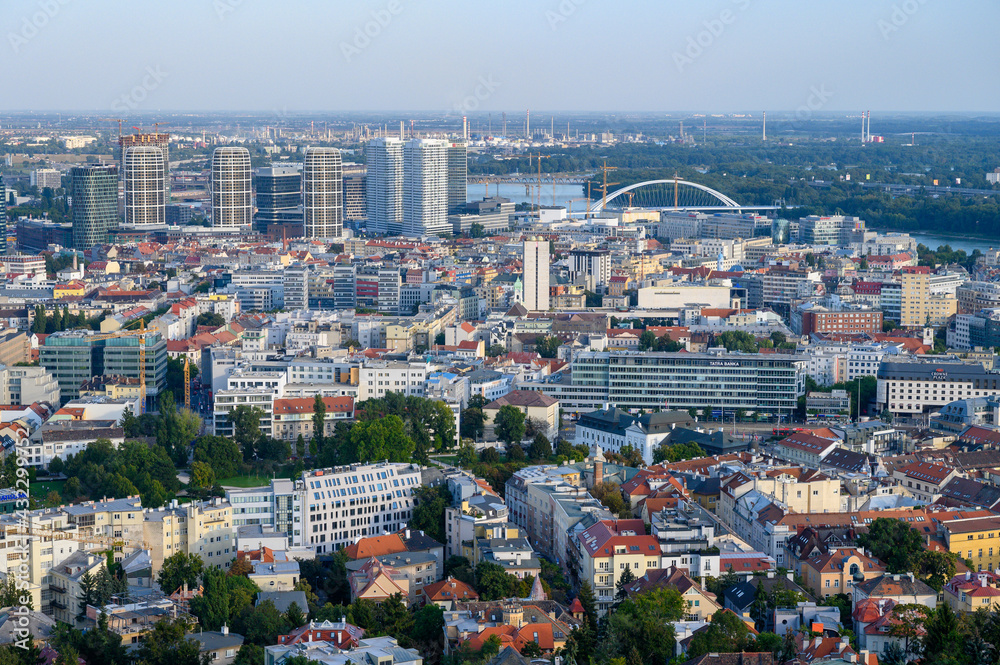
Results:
232 197
385 185
425 187
345 503
322 193
144 173
536 275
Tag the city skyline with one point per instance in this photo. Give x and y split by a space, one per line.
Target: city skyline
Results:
583 55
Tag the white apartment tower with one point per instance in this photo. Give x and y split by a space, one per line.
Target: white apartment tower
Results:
536 274
232 203
425 187
384 157
322 193
144 173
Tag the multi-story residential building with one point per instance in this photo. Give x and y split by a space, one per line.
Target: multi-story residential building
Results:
385 185
806 448
45 178
912 388
839 570
344 503
551 505
968 592
536 275
67 585
607 549
461 522
687 540
920 304
253 389
322 193
27 385
974 296
232 203
425 187
379 377
277 506
201 528
924 480
147 182
593 267
293 418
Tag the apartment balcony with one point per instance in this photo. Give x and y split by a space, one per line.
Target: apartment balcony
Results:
58 605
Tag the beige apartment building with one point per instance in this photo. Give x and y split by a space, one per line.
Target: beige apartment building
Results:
205 529
919 306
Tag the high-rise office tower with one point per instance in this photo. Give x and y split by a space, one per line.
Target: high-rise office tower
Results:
279 197
322 193
384 199
458 175
232 203
536 274
144 173
95 204
3 217
425 187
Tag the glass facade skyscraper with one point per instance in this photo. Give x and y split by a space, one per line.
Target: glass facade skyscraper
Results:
95 204
279 195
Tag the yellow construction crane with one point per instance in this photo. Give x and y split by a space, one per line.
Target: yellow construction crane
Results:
187 383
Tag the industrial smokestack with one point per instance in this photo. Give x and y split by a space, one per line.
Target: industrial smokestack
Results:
764 138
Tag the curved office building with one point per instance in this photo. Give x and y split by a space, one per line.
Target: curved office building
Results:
144 174
322 193
232 203
95 204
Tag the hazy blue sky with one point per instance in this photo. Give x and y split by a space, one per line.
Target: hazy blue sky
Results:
270 55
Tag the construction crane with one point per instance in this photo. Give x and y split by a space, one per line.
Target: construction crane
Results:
187 383
604 188
118 120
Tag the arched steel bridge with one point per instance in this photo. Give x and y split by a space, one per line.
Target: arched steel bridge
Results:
724 201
